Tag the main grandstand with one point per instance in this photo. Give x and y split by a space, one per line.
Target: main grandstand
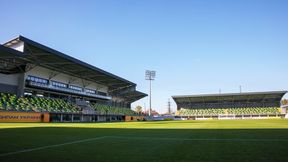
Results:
40 80
231 105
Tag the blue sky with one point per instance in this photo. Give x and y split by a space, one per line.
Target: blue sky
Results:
195 46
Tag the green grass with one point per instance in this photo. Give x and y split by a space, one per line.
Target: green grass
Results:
230 140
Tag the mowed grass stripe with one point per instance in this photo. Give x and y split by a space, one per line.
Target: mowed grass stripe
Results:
201 139
209 124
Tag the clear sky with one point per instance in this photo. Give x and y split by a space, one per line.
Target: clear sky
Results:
195 46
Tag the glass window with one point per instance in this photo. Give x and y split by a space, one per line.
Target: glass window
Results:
90 91
102 93
37 79
76 88
58 84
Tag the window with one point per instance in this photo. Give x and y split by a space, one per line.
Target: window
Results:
37 79
102 93
76 88
59 84
90 91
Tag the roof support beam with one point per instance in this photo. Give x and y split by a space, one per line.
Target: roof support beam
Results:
41 53
57 63
53 74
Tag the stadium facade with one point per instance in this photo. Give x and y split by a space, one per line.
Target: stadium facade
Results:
35 79
231 105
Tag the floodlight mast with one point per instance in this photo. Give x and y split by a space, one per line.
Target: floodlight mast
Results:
150 75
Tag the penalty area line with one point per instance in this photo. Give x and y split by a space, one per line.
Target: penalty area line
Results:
51 146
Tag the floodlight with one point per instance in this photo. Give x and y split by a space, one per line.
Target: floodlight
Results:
150 75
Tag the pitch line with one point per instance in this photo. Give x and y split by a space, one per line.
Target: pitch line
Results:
202 139
50 146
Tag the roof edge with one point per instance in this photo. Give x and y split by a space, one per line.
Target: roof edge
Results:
231 94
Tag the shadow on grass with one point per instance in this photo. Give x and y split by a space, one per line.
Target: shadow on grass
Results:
115 144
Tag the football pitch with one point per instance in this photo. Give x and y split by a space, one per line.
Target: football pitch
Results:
215 140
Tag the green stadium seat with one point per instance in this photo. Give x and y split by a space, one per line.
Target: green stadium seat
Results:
235 111
9 102
111 110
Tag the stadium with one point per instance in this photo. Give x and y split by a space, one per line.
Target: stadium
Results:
144 81
253 105
39 84
54 107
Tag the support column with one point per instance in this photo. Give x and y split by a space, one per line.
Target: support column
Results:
82 118
21 85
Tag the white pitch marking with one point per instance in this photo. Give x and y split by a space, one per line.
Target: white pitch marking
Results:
51 146
204 139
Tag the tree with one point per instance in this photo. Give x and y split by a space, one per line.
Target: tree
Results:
138 109
284 102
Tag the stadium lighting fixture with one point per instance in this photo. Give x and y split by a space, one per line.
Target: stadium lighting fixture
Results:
150 75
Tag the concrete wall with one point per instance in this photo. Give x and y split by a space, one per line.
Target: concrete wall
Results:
11 79
12 83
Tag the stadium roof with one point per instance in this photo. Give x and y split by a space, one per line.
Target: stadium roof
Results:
8 52
231 97
40 55
133 96
11 61
47 57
